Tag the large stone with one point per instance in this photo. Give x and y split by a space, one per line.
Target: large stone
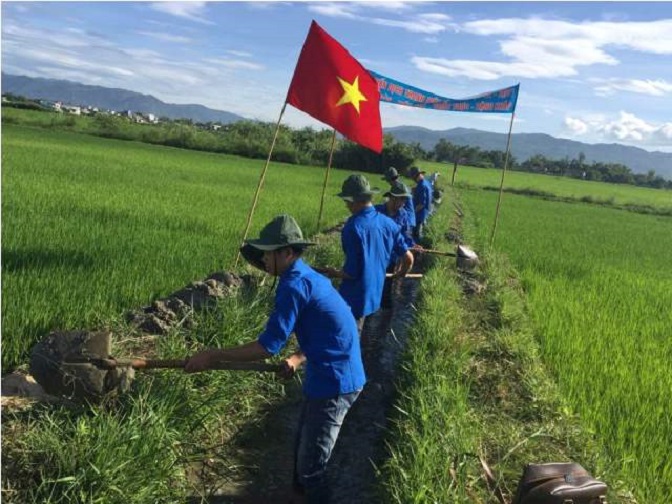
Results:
59 365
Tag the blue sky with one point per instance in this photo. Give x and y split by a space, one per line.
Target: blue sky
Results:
589 71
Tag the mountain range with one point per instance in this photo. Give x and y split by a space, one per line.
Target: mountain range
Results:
74 93
523 145
526 145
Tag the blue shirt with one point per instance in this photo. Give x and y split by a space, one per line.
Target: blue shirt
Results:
422 194
404 222
307 304
368 240
410 210
409 207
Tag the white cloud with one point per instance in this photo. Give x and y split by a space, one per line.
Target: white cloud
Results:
194 11
240 54
576 126
340 10
539 48
417 25
649 87
429 23
233 63
627 128
166 37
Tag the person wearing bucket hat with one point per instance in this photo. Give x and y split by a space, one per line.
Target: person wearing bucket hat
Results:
392 176
422 198
394 209
306 304
368 240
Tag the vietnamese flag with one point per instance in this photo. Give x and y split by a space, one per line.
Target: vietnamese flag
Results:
333 87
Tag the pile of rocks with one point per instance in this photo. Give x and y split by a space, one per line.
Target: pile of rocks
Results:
176 310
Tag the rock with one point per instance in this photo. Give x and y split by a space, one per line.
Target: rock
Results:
58 365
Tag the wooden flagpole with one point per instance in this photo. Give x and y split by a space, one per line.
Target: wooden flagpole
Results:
259 185
326 179
501 185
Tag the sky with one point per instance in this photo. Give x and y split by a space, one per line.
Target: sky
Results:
595 72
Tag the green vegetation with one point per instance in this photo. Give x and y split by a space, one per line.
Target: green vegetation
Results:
555 187
307 146
94 227
121 224
599 288
473 385
244 138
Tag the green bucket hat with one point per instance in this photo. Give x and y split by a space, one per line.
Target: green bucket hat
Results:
356 188
282 231
414 172
391 174
398 190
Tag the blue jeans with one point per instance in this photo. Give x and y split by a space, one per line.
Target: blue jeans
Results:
319 426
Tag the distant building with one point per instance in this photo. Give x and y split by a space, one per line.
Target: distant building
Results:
72 109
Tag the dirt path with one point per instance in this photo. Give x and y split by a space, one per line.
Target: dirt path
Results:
259 466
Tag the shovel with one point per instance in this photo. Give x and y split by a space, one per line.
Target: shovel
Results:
78 364
466 257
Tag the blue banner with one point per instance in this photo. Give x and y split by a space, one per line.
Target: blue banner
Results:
501 101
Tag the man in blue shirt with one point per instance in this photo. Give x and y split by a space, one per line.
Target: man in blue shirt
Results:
394 209
368 240
392 177
306 304
422 197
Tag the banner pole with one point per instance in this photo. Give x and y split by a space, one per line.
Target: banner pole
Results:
259 185
326 179
501 185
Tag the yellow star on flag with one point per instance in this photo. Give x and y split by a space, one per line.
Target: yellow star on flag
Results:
351 93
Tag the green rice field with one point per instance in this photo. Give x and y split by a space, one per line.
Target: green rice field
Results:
94 227
599 288
563 187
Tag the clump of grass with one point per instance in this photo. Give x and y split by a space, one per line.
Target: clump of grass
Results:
140 447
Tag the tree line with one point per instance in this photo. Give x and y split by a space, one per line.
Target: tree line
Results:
308 146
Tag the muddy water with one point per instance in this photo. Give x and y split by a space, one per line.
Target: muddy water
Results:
263 456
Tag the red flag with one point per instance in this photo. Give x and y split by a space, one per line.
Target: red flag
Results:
333 87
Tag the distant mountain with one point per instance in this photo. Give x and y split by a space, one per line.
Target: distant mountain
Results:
526 145
523 145
74 93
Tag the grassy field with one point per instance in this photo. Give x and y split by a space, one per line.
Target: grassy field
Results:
599 287
561 187
93 227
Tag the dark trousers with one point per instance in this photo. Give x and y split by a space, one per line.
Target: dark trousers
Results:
418 232
320 423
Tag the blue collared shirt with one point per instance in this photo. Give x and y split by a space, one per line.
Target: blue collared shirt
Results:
422 194
307 304
410 210
368 240
404 222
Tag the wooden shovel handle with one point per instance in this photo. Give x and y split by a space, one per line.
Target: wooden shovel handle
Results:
437 252
180 363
